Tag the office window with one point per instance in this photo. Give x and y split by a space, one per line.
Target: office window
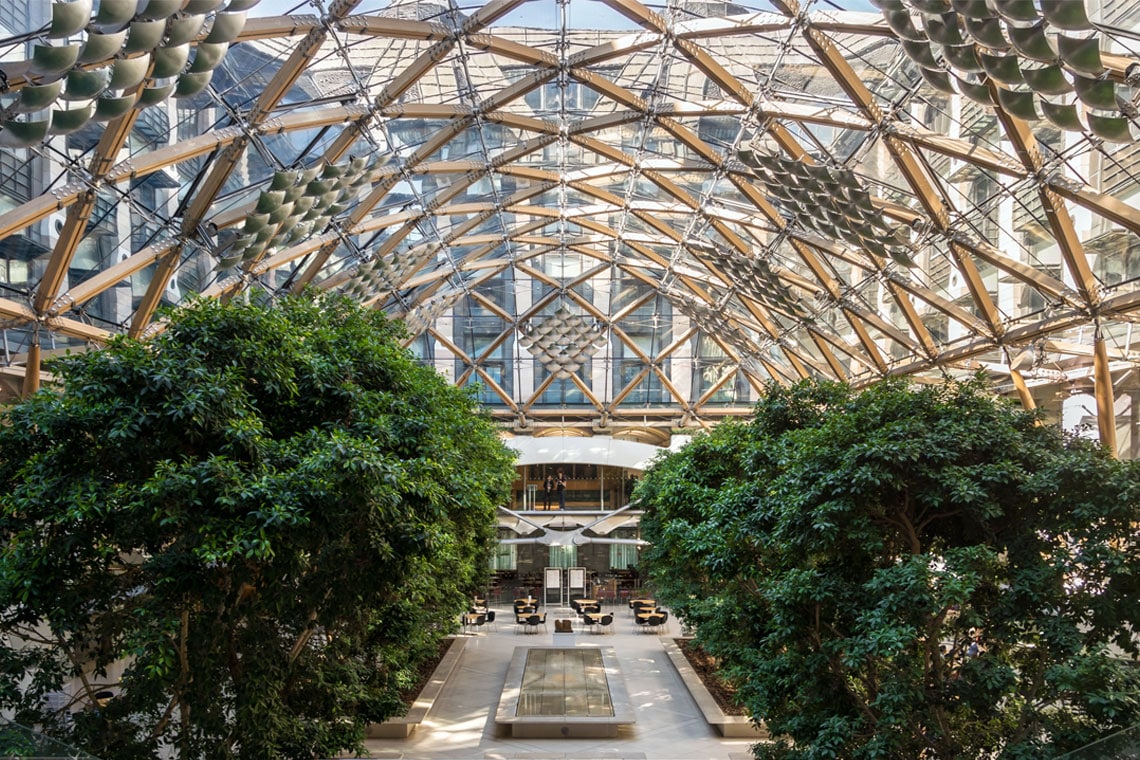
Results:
563 556
623 556
505 557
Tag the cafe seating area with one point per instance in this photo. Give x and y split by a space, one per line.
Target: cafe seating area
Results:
648 617
595 616
617 586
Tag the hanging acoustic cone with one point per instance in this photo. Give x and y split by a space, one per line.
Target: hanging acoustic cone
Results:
36 98
50 61
86 85
988 33
101 47
114 15
108 108
208 56
23 134
184 28
71 120
1066 14
144 36
68 18
1047 80
1110 128
192 84
1016 10
160 9
1003 70
226 28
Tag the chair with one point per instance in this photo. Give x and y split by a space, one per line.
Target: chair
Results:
534 621
654 623
476 621
491 619
606 622
642 622
467 621
520 623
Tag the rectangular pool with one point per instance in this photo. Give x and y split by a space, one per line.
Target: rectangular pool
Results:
565 682
564 692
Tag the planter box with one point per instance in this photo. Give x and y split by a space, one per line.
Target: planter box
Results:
564 639
732 726
402 727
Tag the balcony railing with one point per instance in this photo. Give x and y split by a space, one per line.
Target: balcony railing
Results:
18 741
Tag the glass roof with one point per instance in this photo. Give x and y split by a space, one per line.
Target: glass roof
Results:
606 214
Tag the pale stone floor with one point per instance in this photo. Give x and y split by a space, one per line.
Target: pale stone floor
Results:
462 723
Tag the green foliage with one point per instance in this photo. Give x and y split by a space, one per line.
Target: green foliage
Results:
270 516
839 552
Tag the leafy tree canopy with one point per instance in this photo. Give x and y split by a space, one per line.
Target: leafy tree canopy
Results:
905 572
264 519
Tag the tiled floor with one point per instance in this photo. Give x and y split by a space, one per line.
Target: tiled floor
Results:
462 725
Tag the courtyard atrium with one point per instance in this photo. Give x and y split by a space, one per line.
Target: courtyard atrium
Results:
616 222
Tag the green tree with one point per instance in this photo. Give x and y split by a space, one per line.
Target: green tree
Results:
270 515
842 551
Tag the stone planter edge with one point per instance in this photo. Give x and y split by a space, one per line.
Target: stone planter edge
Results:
729 726
402 727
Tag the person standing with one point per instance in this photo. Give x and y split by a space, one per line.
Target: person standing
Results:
561 490
547 491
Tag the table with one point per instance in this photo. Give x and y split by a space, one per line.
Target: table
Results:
586 605
594 618
643 618
470 619
522 620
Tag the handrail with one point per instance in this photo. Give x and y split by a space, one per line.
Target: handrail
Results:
1123 743
20 741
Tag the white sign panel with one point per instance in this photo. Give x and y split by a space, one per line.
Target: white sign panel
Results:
577 577
553 577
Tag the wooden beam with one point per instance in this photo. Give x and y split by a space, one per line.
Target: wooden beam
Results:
1060 221
1022 389
1105 398
153 296
32 368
